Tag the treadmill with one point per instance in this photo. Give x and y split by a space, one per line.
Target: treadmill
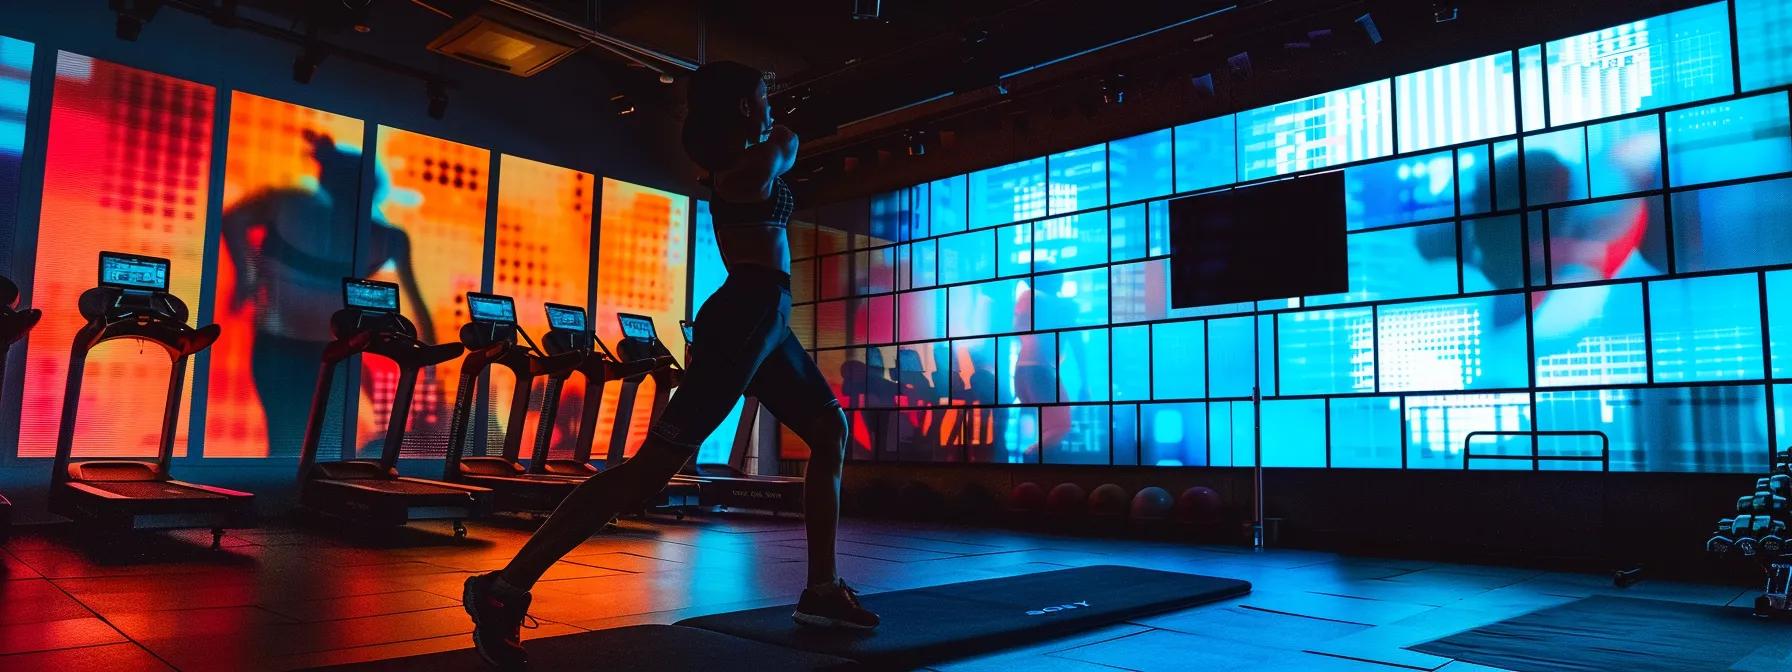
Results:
372 491
110 495
569 332
725 485
14 324
491 338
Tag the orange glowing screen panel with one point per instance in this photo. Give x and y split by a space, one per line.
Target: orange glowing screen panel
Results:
292 182
543 256
427 235
641 268
125 169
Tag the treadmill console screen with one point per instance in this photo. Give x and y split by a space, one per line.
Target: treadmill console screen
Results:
566 318
689 333
370 295
131 271
491 308
638 327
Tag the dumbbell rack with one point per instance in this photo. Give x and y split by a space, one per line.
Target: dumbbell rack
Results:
1758 533
1624 573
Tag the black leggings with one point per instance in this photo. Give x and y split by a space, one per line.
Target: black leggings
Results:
743 346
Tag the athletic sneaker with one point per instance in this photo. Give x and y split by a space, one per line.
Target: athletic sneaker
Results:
497 621
833 605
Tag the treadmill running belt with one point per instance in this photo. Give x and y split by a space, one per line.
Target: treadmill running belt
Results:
151 490
929 625
641 647
401 487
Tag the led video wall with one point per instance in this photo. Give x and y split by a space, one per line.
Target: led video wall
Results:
126 168
292 192
641 269
15 98
428 235
1583 234
543 256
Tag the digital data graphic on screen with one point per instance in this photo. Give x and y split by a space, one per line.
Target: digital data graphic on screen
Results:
127 168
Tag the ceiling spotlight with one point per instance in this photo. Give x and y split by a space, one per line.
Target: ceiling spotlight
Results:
1367 22
305 66
915 142
438 99
1444 10
623 106
1001 87
1203 84
357 14
1240 65
867 10
666 78
132 14
1113 89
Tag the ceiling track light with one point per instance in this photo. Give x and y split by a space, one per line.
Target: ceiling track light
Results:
438 99
304 67
132 14
1370 30
624 107
1114 89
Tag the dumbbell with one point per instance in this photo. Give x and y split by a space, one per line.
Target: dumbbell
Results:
1742 530
1721 542
1745 504
1766 502
1780 484
1782 468
1773 537
1783 456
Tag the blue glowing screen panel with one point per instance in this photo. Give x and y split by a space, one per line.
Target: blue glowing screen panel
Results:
1403 190
1077 179
1726 227
1173 435
1437 427
1761 30
1008 193
1398 263
1206 154
1326 351
1453 344
1779 325
133 271
1456 103
15 99
1656 62
1139 167
370 295
1179 360
1294 433
1328 129
1590 336
1069 300
491 308
1083 365
1366 432
1074 434
568 318
1676 429
1069 242
1731 139
1706 328
1607 240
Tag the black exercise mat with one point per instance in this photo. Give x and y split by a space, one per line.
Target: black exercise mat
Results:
1618 633
655 648
928 625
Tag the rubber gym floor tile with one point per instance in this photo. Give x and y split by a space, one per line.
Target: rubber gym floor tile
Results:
12 568
1162 650
1585 585
59 634
1459 666
1482 578
671 616
174 595
1391 591
234 622
415 647
261 643
1332 607
1262 628
1039 654
924 543
625 562
103 658
877 552
357 606
34 600
1386 644
68 564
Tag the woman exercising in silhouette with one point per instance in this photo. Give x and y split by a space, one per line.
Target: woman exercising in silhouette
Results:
743 346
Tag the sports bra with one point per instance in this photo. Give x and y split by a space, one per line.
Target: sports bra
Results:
774 211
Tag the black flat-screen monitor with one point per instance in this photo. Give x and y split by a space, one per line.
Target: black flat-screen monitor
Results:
491 308
562 317
1270 241
638 327
133 271
370 295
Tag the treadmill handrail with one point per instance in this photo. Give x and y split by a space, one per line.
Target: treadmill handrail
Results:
407 351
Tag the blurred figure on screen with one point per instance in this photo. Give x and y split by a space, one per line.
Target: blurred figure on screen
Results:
281 241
